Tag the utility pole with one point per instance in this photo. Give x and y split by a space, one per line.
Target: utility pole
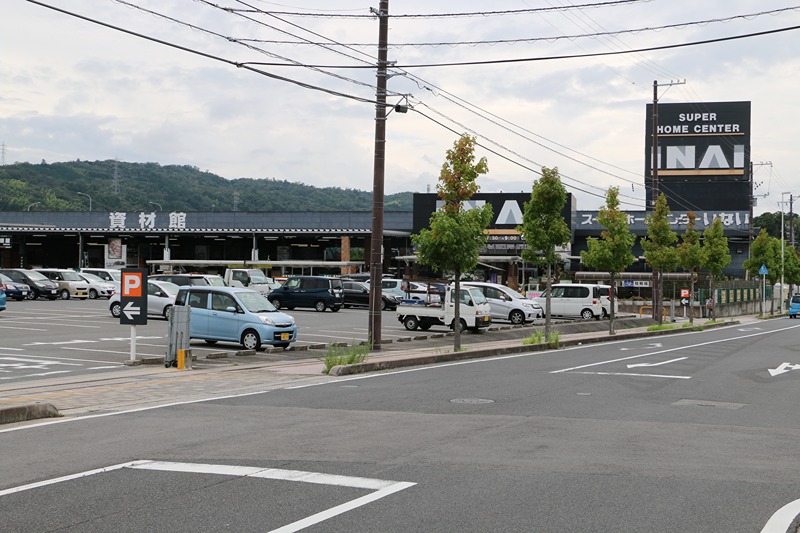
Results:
656 282
376 247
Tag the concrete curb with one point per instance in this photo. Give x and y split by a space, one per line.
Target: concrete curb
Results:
388 364
21 413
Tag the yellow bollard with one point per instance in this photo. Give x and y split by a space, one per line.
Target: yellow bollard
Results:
181 359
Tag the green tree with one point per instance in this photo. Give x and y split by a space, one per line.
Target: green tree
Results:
792 268
691 256
717 255
765 250
543 227
612 252
659 251
456 235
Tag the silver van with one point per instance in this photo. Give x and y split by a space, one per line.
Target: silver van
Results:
507 304
573 300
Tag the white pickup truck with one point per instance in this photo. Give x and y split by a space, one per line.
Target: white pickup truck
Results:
252 278
474 311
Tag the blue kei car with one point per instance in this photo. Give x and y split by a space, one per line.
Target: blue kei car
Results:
235 314
2 300
794 306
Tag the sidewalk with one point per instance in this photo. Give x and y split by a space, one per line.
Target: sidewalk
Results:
140 387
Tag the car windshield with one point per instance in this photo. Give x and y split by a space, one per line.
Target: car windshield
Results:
91 277
255 302
169 288
35 276
215 281
256 276
477 296
5 279
795 298
70 275
513 294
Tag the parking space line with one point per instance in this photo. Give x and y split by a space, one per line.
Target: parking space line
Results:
633 374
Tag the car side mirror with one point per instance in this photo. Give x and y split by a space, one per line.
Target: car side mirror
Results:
230 309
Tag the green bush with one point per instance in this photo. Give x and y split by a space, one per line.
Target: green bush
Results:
552 340
535 338
344 355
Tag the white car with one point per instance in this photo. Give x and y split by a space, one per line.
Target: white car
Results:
508 304
160 299
98 287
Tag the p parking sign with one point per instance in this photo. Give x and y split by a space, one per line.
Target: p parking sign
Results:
133 296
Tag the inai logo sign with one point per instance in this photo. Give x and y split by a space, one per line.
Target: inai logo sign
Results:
510 213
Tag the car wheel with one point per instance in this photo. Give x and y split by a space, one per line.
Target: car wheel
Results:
64 294
276 303
517 317
424 326
251 340
587 314
335 308
462 325
411 323
319 307
209 341
383 305
116 309
92 294
605 314
168 312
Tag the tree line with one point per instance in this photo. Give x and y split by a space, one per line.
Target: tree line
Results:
120 186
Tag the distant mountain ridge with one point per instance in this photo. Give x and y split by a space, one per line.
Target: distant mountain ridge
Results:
151 186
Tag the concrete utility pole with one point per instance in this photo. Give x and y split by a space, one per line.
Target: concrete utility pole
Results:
656 283
376 247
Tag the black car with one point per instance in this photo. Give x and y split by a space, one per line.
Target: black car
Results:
318 292
356 293
39 284
17 291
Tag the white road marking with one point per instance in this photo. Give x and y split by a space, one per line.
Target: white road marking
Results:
38 375
633 374
658 363
105 367
21 329
12 349
783 518
38 361
670 350
58 343
381 487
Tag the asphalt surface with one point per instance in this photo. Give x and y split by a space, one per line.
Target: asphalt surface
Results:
150 383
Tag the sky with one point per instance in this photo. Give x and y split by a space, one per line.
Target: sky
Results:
71 88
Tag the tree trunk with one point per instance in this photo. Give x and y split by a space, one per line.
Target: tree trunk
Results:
457 313
548 285
613 300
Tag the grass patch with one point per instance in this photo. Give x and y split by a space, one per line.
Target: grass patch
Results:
537 337
344 355
656 327
552 340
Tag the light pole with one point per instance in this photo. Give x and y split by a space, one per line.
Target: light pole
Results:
783 235
89 197
156 204
33 204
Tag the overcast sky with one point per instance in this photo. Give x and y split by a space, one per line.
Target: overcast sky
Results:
72 89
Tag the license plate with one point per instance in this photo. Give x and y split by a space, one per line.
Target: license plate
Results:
81 293
54 291
24 293
285 336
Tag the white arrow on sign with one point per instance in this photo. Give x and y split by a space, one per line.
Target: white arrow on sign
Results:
658 364
131 311
785 367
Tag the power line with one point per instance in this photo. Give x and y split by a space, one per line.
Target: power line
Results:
442 15
568 56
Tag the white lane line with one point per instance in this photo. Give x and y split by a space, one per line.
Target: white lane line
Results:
632 374
70 477
689 347
21 329
783 518
108 351
38 375
12 349
38 357
105 367
55 324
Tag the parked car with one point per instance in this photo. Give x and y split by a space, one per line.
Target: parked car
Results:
235 314
189 279
39 283
356 293
603 292
318 292
507 304
413 290
3 300
160 299
794 306
107 274
12 289
572 300
98 287
70 284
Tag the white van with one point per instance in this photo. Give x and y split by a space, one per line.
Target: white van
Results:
604 293
573 300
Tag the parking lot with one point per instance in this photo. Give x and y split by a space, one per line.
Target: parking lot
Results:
43 338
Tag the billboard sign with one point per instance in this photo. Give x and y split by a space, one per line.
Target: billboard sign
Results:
703 155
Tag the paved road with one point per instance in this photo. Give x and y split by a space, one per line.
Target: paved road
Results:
687 433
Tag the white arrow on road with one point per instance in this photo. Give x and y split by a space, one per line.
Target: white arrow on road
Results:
131 311
653 345
658 364
785 367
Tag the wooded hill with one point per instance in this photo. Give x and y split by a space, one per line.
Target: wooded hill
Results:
172 187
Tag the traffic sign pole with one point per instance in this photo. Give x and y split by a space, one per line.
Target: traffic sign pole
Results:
133 342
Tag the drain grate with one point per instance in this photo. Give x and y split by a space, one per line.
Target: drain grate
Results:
709 403
471 400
